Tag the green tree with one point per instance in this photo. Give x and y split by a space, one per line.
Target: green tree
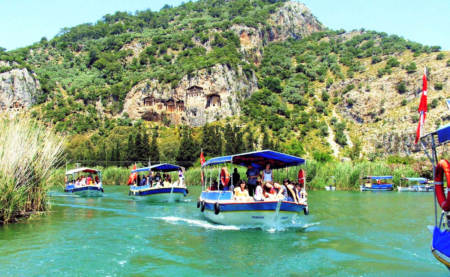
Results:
153 149
188 152
265 142
139 148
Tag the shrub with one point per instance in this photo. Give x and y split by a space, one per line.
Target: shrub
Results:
448 63
440 56
411 67
415 118
434 103
322 157
350 101
438 86
401 88
404 102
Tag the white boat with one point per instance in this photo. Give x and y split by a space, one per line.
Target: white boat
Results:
329 188
426 189
90 187
221 207
156 191
413 188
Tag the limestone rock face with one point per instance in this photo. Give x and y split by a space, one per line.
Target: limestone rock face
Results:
203 98
18 89
214 94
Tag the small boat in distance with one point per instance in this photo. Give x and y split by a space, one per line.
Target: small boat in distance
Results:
87 186
414 188
380 185
155 189
330 187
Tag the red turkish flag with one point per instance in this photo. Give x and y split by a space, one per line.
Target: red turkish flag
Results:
202 159
422 108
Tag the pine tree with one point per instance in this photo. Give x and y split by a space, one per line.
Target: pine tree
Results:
154 151
265 142
230 140
249 142
271 145
146 147
130 154
240 147
138 148
117 152
188 152
217 142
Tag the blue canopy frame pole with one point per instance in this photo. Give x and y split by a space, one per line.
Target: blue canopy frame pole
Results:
434 177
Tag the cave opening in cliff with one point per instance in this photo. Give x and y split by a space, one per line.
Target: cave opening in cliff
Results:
213 100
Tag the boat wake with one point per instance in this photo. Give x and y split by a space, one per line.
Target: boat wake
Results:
212 226
199 223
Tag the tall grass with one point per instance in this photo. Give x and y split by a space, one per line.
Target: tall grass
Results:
347 176
29 152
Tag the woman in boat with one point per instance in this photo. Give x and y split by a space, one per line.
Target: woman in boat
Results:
97 180
83 181
241 192
301 193
269 191
290 191
281 191
267 174
166 182
143 181
259 192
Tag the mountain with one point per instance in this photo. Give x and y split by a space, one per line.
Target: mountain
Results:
270 66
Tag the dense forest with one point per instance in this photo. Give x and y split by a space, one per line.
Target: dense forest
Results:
85 73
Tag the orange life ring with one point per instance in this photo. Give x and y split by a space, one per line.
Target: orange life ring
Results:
301 176
224 176
442 167
378 181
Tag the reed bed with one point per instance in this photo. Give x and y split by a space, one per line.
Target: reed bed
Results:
29 153
347 176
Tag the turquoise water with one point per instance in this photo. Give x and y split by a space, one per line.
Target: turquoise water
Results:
346 233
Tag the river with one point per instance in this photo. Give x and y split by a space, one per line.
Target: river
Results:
346 233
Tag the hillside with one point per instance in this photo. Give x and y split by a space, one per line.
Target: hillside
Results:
270 66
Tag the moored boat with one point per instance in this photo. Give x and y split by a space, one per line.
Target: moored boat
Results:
222 207
85 186
380 185
155 189
330 188
412 188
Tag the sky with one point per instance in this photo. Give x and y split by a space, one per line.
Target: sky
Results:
23 22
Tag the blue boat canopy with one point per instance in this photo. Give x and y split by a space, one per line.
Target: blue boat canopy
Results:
443 133
158 167
259 159
415 179
218 160
378 177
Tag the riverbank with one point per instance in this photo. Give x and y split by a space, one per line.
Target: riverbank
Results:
29 152
347 175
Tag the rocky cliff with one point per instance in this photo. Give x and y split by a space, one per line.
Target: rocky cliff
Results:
18 89
213 94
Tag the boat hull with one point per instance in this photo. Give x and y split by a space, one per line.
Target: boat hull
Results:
425 189
377 188
171 194
406 189
86 191
266 213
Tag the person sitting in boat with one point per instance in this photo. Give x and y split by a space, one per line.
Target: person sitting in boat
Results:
96 180
138 180
214 186
290 191
252 176
82 181
149 179
158 179
143 181
267 174
89 180
241 192
180 177
77 182
281 191
259 192
269 191
301 193
166 182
